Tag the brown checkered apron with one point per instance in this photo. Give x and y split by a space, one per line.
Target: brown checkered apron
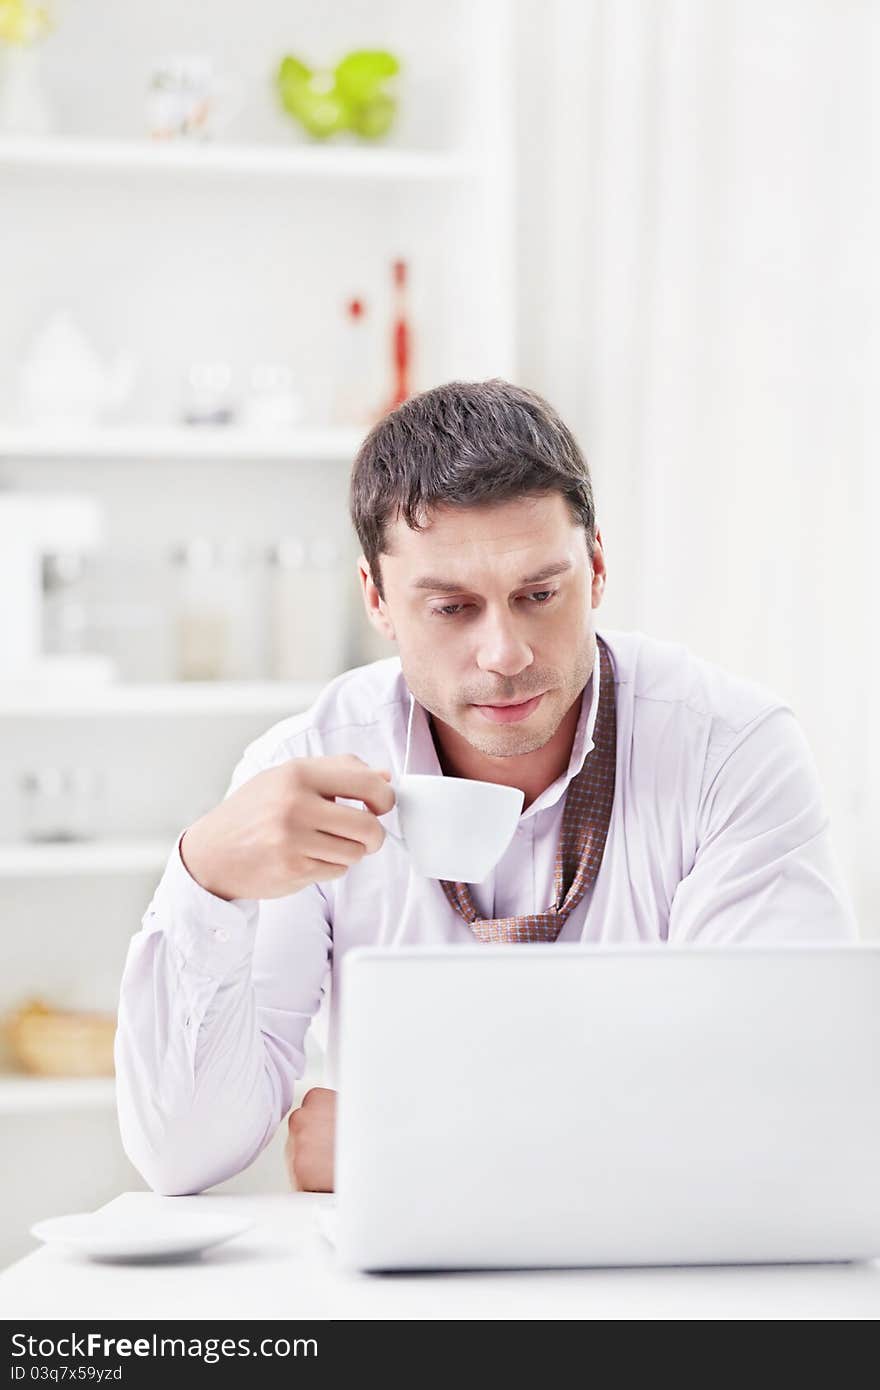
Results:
585 822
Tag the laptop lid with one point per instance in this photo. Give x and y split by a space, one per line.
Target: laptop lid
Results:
562 1105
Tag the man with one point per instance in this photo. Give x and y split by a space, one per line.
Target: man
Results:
665 800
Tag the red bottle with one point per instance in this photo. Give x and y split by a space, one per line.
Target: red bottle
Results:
401 340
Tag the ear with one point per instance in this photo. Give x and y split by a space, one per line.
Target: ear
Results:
376 608
599 571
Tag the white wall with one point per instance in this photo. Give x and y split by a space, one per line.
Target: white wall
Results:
700 297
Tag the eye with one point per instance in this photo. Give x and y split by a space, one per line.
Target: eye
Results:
448 610
541 596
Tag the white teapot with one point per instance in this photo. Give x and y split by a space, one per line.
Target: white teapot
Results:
63 381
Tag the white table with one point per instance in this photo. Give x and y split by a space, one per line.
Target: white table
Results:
285 1268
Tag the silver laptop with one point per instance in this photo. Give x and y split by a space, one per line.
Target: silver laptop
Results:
554 1105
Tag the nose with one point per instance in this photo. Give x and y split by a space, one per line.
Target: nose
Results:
500 647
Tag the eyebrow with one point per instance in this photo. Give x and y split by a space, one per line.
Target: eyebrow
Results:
448 586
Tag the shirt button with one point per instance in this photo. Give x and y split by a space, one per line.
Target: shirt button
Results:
221 934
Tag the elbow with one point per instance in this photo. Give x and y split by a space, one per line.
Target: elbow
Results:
168 1183
182 1141
184 1156
166 1168
173 1170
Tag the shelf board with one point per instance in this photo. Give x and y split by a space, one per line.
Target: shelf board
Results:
58 153
25 1095
24 699
180 442
89 858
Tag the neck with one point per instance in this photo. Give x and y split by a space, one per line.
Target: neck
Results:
532 773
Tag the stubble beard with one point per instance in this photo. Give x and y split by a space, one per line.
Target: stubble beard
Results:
511 740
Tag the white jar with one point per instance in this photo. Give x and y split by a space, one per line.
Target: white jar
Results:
310 609
202 626
59 804
241 585
66 595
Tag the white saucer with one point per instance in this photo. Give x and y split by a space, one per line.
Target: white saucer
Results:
151 1235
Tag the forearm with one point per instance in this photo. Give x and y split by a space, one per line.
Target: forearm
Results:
201 1086
199 1094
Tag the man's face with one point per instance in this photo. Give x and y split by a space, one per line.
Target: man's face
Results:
491 608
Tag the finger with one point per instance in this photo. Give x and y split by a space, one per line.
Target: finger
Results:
376 794
290 1163
318 1095
332 777
351 823
333 849
320 871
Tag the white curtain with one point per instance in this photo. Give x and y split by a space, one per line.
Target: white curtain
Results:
699 296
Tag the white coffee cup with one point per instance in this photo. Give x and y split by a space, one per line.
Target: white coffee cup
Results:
453 827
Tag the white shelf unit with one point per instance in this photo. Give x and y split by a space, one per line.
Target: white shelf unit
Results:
136 157
180 443
22 1095
93 858
239 252
185 698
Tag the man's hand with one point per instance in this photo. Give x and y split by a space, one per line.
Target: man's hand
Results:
284 828
308 1152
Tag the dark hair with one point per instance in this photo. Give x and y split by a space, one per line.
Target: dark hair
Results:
465 444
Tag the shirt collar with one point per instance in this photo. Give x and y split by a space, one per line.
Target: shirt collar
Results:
423 753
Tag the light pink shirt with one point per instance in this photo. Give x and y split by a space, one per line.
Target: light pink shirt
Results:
718 834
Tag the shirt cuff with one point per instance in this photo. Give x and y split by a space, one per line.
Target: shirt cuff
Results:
213 936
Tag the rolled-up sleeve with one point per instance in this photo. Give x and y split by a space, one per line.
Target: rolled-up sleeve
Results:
215 1002
765 868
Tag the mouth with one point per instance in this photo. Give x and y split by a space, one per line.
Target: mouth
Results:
510 714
